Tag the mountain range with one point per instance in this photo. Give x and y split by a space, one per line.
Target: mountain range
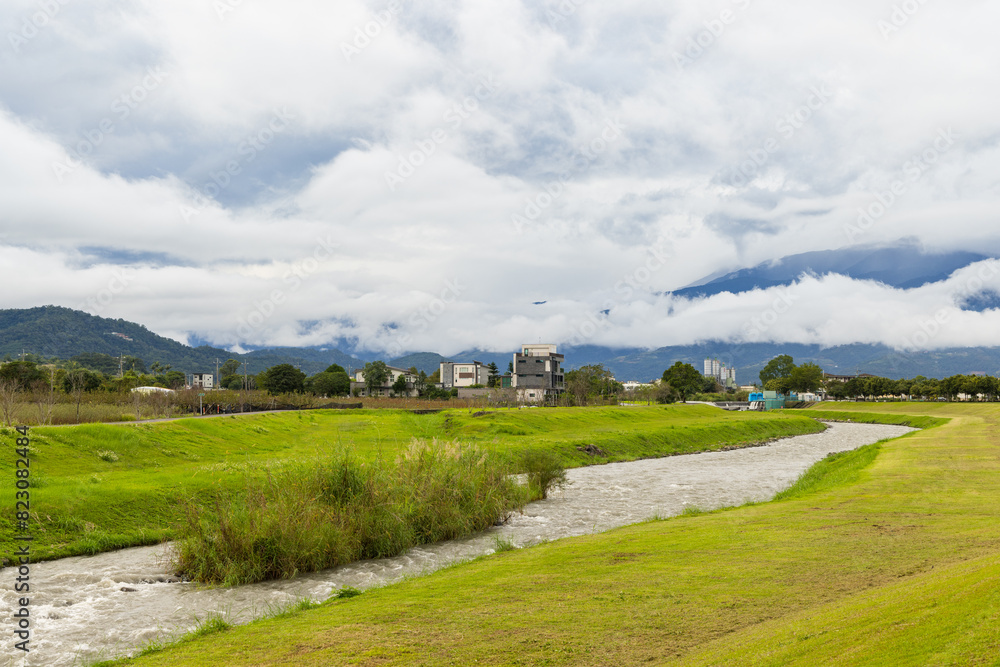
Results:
53 331
904 266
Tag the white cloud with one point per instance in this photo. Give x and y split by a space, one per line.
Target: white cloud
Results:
685 175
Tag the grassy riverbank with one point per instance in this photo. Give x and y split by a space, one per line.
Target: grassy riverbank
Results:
897 563
103 487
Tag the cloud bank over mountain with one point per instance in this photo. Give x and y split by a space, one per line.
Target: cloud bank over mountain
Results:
413 176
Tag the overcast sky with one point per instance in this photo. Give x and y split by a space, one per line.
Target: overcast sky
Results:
423 175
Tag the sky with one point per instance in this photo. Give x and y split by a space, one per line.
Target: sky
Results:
446 175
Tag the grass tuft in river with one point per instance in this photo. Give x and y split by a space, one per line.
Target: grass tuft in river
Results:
319 515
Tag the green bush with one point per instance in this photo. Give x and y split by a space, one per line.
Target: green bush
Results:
545 471
308 518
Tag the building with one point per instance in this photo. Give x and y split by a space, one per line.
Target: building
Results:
721 373
633 385
538 373
463 374
845 378
202 381
358 387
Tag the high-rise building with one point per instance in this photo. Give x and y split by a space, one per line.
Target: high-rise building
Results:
722 374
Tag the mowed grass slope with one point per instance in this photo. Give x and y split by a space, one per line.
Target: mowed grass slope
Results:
101 487
898 565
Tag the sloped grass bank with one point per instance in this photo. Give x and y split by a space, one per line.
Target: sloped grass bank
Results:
85 501
324 514
896 564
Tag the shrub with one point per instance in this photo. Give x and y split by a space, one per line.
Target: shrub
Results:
545 471
310 517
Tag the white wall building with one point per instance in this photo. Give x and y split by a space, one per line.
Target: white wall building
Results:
394 374
463 374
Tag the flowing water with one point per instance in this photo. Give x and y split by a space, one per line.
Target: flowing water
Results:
108 605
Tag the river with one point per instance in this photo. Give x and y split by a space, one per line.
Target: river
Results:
107 605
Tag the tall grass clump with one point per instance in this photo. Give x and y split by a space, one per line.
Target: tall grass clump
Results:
545 472
310 517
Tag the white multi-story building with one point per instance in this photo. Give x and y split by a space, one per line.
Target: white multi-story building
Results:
358 385
463 374
723 374
202 381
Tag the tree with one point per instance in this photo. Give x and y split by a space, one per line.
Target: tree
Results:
335 368
399 387
43 393
683 378
591 381
778 368
494 373
228 370
79 380
23 373
780 385
9 391
174 379
807 377
376 375
664 393
329 384
133 364
282 379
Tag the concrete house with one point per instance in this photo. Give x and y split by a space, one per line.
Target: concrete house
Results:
358 383
538 373
463 374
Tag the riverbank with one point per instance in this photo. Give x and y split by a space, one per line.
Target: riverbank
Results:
97 488
899 565
119 603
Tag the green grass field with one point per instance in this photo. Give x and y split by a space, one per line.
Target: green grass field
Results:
101 487
895 563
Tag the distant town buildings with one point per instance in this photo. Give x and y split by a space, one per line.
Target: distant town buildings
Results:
722 374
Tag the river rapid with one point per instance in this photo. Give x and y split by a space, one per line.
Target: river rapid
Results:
103 606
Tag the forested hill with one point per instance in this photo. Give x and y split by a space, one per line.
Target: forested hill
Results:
54 331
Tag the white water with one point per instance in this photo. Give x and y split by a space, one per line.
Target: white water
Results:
80 612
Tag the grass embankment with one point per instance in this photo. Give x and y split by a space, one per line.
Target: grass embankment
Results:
897 564
103 487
